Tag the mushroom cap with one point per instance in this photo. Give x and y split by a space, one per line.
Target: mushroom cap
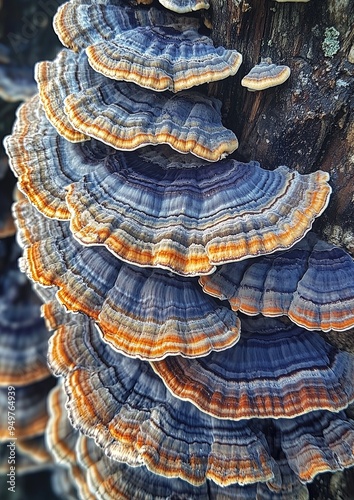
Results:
69 73
312 283
30 408
125 116
265 75
191 220
163 58
108 479
142 312
124 419
127 410
183 6
80 24
45 163
274 371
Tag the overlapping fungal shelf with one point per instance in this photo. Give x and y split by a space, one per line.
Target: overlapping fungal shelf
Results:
182 286
25 378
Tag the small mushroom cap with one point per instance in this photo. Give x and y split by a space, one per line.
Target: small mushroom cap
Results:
294 371
183 6
31 409
126 116
45 163
163 58
312 283
81 24
190 220
68 74
141 312
265 75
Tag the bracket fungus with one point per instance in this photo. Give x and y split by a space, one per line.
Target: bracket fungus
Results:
104 479
124 423
111 195
25 378
183 6
125 116
23 336
130 201
142 312
131 415
68 74
293 372
163 58
80 24
169 219
22 329
43 177
312 283
265 75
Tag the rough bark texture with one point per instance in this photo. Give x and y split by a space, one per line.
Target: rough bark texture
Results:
308 122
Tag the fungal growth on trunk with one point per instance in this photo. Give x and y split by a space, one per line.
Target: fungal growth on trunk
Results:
265 75
163 260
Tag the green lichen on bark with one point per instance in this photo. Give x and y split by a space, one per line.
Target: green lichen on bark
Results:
330 44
